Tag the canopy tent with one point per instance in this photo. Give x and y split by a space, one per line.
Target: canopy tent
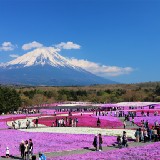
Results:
108 105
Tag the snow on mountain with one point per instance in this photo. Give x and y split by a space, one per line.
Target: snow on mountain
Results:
41 56
44 66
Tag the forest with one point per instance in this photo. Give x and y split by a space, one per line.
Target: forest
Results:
145 92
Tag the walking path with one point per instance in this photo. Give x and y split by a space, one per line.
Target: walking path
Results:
128 124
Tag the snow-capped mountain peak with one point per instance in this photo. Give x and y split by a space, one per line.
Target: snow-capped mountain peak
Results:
44 66
41 56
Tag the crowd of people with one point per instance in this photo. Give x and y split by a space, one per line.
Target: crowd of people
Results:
146 133
122 141
25 111
65 122
28 124
26 151
97 142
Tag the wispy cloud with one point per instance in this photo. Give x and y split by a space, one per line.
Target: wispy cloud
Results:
32 45
14 55
7 46
68 45
101 70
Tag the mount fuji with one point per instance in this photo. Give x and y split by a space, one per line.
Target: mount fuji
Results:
45 67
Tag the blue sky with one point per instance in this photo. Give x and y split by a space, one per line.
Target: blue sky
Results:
119 38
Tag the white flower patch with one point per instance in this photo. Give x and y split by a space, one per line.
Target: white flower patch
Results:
23 123
83 130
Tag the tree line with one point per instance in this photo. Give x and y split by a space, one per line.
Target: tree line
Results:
10 100
106 94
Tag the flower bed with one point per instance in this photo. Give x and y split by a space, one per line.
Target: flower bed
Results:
151 120
47 142
83 130
3 125
85 121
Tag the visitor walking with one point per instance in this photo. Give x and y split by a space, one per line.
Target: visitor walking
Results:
36 122
14 124
26 155
22 149
95 142
145 135
19 124
124 124
98 122
124 139
137 135
133 121
27 124
30 148
100 142
119 141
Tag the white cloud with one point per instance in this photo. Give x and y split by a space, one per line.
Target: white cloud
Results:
32 45
14 55
68 45
101 70
7 46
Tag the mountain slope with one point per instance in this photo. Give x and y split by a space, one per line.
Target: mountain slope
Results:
44 66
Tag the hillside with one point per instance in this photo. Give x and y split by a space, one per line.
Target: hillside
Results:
149 91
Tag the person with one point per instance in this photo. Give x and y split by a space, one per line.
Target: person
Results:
95 142
26 155
119 141
27 124
22 149
7 152
124 139
19 124
30 147
133 121
137 135
142 134
145 135
98 122
124 124
42 156
149 132
100 142
56 122
76 122
155 134
36 122
13 124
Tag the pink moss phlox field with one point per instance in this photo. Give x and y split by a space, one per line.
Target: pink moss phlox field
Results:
84 121
47 142
148 152
16 116
3 125
151 120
